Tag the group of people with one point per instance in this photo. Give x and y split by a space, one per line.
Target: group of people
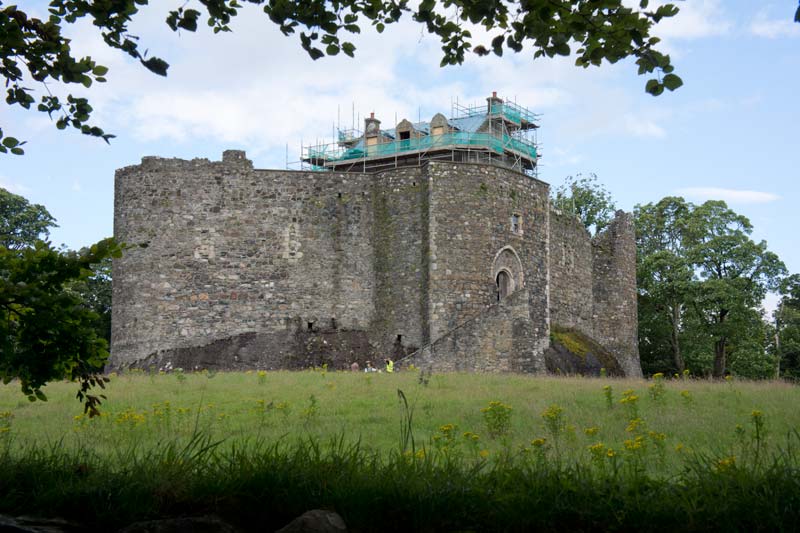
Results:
389 366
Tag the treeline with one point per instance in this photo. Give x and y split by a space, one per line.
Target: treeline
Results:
702 280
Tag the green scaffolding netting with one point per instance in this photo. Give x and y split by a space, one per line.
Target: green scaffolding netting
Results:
332 153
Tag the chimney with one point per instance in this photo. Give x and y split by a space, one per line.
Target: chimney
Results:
492 102
372 129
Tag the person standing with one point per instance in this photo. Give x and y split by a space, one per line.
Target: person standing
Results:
389 366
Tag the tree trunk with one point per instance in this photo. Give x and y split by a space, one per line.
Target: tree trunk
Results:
719 358
677 357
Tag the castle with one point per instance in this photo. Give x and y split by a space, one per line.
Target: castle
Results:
432 242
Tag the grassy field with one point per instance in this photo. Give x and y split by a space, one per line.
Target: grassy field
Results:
462 452
692 415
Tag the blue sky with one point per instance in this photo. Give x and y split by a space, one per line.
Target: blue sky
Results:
731 132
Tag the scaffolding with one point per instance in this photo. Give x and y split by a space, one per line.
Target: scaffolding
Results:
499 132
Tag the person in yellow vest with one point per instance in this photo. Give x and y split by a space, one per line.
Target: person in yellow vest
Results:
389 365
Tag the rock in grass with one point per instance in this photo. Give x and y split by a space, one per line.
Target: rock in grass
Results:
30 524
316 521
191 524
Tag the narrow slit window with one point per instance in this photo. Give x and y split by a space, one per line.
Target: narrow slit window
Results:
516 223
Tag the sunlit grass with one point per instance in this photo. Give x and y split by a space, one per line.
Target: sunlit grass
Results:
464 452
693 415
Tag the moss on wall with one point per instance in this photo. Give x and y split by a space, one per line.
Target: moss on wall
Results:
572 352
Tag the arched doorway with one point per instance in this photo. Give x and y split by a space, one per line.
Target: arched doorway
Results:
504 285
507 273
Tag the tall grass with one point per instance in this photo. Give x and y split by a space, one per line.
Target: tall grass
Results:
261 449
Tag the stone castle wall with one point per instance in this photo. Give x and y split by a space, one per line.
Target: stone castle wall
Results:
472 239
283 269
571 297
614 292
497 340
231 250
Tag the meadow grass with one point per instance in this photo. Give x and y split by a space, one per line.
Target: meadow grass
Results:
694 415
489 452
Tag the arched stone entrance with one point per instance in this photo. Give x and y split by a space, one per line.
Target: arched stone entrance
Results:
507 274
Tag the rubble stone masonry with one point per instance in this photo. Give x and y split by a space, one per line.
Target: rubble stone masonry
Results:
233 267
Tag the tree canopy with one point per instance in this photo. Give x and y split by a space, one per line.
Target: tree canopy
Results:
586 198
54 304
35 50
787 328
22 223
701 279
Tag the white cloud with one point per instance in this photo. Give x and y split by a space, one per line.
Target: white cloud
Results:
763 26
13 187
695 20
733 196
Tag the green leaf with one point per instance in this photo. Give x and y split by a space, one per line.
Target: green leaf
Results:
156 65
18 151
653 87
797 15
10 142
672 82
332 50
100 70
348 48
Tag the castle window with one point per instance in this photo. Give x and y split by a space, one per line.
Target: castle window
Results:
503 281
516 224
405 135
310 326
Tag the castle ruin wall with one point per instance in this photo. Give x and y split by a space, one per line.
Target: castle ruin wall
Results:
472 240
571 258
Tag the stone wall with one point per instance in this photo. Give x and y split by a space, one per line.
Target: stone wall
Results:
471 239
500 339
570 273
283 269
400 259
614 292
232 250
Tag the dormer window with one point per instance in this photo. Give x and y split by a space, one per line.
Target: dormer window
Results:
438 124
516 224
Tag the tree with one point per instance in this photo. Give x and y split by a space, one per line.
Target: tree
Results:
47 332
735 272
22 223
587 199
787 328
701 279
664 272
95 293
36 50
54 305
